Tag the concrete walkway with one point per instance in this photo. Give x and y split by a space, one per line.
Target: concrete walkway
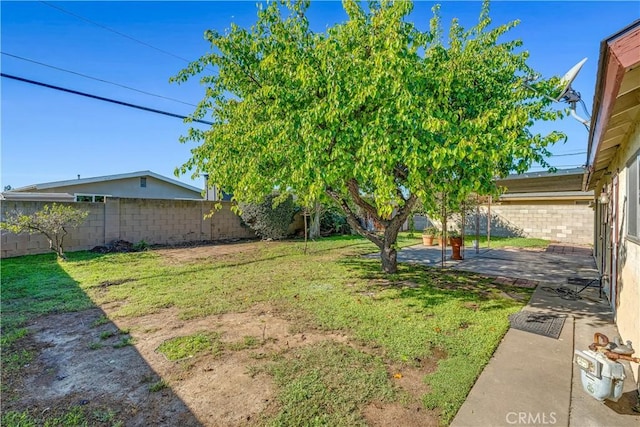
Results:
531 379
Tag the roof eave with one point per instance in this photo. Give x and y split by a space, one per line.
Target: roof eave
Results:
608 80
91 180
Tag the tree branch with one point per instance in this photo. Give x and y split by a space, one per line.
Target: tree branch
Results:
401 172
354 191
403 213
353 219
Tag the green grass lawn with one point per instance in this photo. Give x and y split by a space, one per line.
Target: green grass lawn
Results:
395 319
497 242
504 242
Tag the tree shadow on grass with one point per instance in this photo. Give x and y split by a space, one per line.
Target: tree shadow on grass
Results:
433 286
64 360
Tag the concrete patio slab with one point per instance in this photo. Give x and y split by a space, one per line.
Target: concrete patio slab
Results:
531 379
508 391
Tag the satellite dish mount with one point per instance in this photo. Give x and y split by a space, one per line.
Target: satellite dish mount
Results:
569 95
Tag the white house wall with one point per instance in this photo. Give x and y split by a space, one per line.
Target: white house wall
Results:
628 298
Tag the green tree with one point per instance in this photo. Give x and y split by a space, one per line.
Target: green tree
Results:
52 221
373 113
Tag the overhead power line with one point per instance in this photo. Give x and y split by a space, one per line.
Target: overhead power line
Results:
97 79
104 27
569 154
101 98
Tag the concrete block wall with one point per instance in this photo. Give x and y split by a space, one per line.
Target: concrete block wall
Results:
225 224
565 223
161 221
152 220
89 234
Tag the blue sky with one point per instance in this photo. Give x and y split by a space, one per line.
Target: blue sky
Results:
49 135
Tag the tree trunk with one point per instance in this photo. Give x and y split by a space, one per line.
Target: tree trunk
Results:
314 230
386 243
388 252
55 244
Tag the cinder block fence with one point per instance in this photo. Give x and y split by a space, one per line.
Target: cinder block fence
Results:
565 223
152 220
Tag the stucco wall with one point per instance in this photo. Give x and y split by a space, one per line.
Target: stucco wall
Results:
628 294
129 187
133 220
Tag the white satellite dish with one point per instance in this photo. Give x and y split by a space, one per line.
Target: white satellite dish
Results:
565 93
566 80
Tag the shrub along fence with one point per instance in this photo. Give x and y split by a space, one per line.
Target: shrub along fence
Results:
153 220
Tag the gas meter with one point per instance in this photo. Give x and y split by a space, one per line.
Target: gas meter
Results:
601 373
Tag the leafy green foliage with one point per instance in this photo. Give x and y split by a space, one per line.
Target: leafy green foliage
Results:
271 218
52 221
140 246
334 221
372 107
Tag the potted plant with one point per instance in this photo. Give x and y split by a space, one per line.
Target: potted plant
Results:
428 234
456 244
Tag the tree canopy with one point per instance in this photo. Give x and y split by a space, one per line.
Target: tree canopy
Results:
374 113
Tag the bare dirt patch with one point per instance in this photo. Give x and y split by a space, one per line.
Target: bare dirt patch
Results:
216 252
67 372
409 411
221 390
394 414
79 362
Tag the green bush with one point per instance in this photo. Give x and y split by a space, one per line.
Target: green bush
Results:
332 221
267 221
141 246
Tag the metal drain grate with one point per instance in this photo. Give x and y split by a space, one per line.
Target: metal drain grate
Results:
549 325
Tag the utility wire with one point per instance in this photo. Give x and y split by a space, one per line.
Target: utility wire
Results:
569 154
97 79
104 27
100 98
557 166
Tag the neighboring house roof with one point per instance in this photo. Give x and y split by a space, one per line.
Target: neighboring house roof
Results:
548 196
616 102
46 185
561 181
37 197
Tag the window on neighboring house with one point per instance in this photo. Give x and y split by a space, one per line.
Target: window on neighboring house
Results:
91 198
143 181
633 196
